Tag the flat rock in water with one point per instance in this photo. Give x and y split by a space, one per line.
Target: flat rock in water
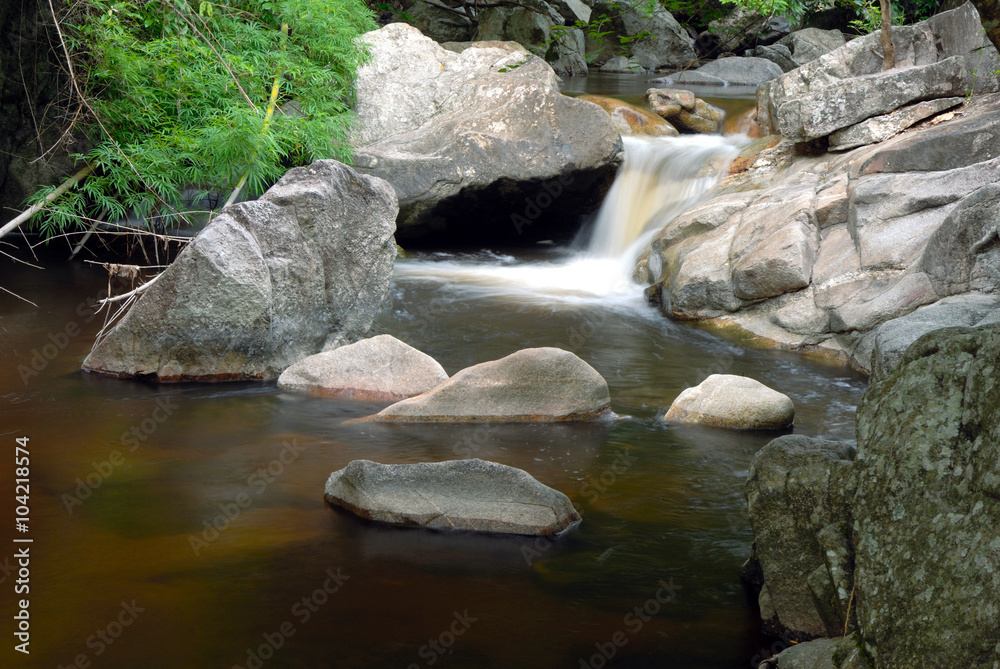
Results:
381 368
470 495
534 384
735 402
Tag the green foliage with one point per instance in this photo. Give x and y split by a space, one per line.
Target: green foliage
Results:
179 94
870 16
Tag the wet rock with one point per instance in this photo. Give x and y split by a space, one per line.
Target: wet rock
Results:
632 120
685 112
735 402
808 44
381 368
459 495
798 494
535 384
881 128
463 136
264 285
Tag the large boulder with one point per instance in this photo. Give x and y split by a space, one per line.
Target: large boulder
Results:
798 495
381 368
808 44
734 402
927 507
535 384
846 85
779 54
732 71
881 128
264 285
664 43
475 141
459 495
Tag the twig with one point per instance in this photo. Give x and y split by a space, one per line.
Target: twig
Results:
847 618
90 231
131 293
19 297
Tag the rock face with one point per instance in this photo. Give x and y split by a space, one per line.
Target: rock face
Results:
682 110
798 492
265 284
460 495
940 57
816 251
779 54
466 138
733 71
381 368
535 384
881 128
808 44
741 28
532 24
440 24
665 42
734 402
912 525
632 120
621 65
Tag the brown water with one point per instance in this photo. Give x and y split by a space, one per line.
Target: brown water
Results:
659 503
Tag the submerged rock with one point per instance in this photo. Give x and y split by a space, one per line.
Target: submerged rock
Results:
463 495
265 284
632 120
479 144
381 368
534 384
734 402
735 70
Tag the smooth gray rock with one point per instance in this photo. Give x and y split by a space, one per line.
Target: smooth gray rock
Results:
772 254
838 653
808 44
798 494
572 10
459 495
734 402
964 252
264 285
621 65
568 52
779 54
881 128
820 112
534 385
926 515
471 141
684 111
892 338
733 71
380 368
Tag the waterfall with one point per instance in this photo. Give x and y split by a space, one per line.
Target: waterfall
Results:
659 178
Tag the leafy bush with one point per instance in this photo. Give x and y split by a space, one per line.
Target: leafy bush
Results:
176 94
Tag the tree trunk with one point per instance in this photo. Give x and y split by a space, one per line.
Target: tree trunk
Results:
989 14
888 50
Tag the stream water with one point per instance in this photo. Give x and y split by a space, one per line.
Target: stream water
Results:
128 479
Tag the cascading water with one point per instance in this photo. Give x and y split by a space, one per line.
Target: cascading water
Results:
660 178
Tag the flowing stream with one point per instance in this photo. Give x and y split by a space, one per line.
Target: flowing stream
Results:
203 503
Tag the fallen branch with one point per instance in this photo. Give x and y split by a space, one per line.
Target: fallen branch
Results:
34 209
131 293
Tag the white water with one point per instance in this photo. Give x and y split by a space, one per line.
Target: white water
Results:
660 178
